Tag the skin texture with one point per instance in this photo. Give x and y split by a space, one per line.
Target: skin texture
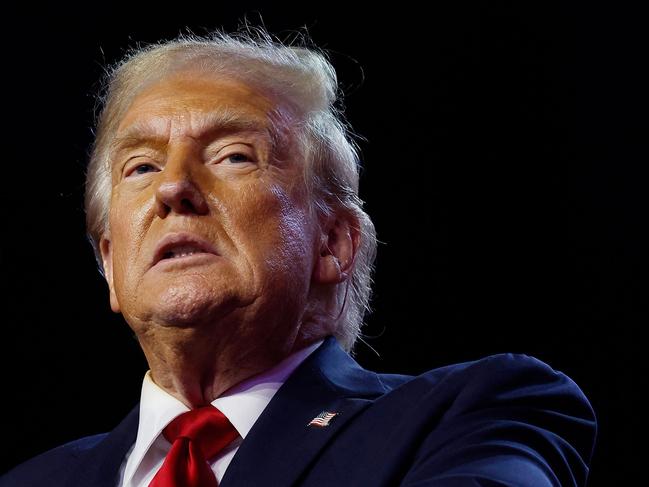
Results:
207 322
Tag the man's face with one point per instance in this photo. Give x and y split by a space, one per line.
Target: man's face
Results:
205 224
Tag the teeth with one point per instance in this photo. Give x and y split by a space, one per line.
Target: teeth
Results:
181 252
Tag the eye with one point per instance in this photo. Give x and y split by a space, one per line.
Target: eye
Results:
139 169
237 157
143 169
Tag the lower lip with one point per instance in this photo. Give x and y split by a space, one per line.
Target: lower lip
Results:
185 261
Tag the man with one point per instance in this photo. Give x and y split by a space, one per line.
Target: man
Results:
222 201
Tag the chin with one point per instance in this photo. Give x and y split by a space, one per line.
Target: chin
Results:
188 306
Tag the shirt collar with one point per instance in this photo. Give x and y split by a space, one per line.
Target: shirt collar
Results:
242 404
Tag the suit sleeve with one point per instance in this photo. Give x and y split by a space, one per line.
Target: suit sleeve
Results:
514 422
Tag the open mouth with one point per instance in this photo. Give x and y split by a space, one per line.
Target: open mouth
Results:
183 251
179 245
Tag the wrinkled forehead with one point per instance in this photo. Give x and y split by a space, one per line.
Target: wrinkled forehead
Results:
198 99
198 103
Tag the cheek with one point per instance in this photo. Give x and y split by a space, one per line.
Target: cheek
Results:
127 230
281 231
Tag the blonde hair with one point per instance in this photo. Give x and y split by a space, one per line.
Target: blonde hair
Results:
304 79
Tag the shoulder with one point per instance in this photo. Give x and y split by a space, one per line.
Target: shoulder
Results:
515 383
513 380
505 378
51 467
504 411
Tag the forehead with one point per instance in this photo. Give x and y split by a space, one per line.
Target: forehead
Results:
191 102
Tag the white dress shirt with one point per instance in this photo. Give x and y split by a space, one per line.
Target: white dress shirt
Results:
241 404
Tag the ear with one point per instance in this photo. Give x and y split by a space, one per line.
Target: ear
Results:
106 250
338 246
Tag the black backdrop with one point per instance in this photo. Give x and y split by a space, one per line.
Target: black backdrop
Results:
504 167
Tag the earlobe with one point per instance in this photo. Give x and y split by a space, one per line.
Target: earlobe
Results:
327 270
106 250
338 247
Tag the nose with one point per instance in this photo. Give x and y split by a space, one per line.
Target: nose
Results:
180 196
178 192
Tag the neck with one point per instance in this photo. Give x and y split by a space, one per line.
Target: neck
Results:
197 367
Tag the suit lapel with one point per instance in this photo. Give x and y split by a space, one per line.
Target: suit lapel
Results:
281 446
100 466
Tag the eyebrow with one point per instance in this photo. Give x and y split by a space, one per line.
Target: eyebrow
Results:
209 125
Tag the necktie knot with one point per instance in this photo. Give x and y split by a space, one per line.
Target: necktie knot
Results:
206 426
195 437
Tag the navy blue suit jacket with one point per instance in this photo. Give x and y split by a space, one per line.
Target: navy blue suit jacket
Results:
505 420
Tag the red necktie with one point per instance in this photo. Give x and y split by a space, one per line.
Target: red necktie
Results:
195 437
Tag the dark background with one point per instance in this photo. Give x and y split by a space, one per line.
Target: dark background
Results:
505 170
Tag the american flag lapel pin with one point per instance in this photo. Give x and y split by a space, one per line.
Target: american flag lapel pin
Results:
323 419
